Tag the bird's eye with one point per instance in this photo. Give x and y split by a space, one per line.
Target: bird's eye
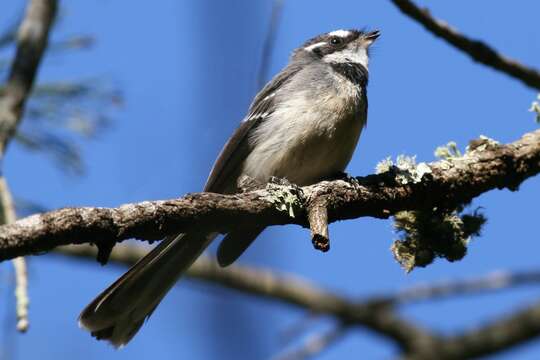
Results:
336 40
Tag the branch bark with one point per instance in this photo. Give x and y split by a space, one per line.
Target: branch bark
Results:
451 182
476 49
318 223
32 38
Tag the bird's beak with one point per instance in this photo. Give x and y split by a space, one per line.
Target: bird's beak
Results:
372 36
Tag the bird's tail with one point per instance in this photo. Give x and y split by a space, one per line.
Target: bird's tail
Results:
118 312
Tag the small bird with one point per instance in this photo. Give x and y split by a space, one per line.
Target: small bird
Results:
302 126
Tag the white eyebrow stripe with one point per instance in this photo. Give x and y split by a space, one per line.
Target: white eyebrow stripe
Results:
314 46
340 33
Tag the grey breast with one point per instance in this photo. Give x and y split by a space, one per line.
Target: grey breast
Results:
314 130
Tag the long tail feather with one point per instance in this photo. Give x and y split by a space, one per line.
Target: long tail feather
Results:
118 312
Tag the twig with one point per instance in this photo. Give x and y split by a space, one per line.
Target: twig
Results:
505 333
8 216
476 49
318 223
295 330
7 207
314 345
21 293
32 40
492 282
450 183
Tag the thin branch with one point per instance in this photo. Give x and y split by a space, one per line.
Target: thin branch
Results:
492 282
502 334
314 345
8 216
476 49
299 327
449 183
32 40
7 207
21 293
285 289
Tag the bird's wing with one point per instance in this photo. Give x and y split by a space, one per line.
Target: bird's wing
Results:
228 164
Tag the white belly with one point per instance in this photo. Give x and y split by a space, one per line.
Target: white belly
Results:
305 145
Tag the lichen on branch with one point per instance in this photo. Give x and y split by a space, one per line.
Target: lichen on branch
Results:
426 235
448 184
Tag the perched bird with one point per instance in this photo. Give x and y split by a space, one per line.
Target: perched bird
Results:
302 126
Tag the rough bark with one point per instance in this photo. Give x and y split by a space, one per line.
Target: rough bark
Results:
451 182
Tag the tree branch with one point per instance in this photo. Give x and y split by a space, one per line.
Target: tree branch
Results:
502 334
496 281
476 49
451 182
314 345
32 40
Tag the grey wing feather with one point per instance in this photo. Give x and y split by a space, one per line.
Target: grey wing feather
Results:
228 164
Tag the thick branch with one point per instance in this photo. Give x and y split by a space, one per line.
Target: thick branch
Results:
32 40
477 50
451 182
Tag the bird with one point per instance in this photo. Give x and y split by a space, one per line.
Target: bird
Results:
303 126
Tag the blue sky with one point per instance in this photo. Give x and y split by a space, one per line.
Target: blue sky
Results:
188 72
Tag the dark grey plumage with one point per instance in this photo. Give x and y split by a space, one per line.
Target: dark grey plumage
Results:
302 126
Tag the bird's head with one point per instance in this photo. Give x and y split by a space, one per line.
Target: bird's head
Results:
340 47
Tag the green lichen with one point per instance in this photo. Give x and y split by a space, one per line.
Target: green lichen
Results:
406 170
448 151
286 198
426 235
384 166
